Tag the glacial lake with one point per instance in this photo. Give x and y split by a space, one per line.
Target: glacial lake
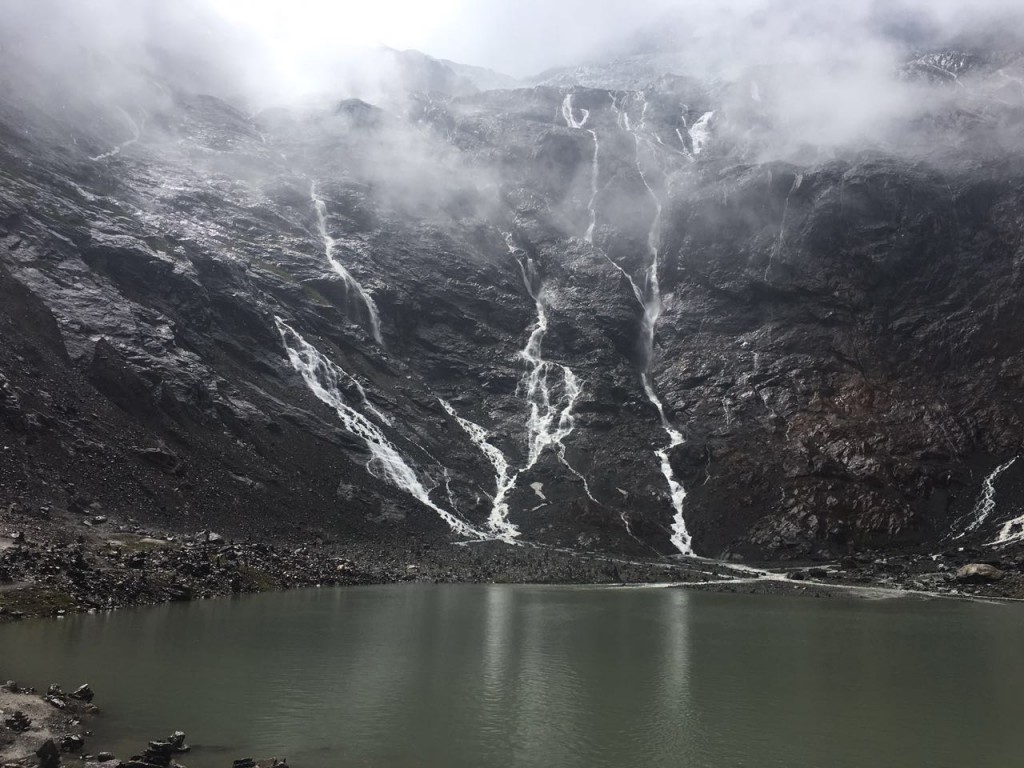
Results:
448 676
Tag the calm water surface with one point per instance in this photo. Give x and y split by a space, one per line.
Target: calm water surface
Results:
481 676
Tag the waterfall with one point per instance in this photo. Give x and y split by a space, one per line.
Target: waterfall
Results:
650 300
592 203
568 113
986 501
547 385
700 133
681 538
498 521
325 381
352 285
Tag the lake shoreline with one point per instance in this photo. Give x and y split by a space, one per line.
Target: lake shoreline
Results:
52 571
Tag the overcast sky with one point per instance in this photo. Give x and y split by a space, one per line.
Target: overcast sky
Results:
524 37
517 37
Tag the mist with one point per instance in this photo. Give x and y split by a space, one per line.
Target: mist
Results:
782 76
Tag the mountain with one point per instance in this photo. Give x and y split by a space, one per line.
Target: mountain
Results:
682 315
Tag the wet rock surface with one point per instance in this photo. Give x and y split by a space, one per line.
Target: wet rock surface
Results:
835 342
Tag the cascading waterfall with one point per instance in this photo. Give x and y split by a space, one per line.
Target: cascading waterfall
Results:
592 203
569 114
700 133
136 129
548 425
650 300
987 501
325 380
571 122
1011 531
681 538
505 481
352 285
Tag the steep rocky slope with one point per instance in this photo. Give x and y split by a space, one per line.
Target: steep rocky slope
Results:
460 318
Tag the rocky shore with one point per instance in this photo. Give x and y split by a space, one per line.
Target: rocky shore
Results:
53 729
98 564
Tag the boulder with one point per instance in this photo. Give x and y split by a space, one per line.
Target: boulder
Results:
83 693
978 573
48 754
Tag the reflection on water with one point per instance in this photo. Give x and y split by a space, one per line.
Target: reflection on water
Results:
546 676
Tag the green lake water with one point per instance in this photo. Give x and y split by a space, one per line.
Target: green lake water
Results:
478 676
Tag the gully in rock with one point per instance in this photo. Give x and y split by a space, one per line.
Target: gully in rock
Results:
798 180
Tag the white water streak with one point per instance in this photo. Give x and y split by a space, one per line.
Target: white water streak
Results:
592 203
136 130
351 284
568 114
324 380
498 520
650 299
700 133
987 501
551 401
681 538
1012 530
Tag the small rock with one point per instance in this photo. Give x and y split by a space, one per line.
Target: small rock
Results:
177 742
105 757
83 693
72 743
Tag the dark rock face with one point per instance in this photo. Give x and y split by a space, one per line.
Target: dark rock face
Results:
194 303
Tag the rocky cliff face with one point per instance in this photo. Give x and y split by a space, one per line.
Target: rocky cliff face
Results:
577 316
